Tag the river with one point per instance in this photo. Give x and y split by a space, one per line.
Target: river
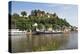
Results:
44 42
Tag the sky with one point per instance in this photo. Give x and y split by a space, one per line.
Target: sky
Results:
67 11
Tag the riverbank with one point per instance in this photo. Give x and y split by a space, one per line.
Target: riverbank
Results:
18 32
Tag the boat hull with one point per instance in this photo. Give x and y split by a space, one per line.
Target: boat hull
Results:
38 32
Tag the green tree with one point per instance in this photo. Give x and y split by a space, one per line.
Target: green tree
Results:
23 13
14 19
40 26
54 15
16 15
47 26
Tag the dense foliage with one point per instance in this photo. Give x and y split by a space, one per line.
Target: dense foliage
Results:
37 16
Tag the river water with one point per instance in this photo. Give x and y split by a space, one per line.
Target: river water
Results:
44 42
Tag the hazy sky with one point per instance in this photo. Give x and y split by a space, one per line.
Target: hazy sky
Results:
67 11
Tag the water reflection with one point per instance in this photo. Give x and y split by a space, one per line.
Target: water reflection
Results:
48 42
43 42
